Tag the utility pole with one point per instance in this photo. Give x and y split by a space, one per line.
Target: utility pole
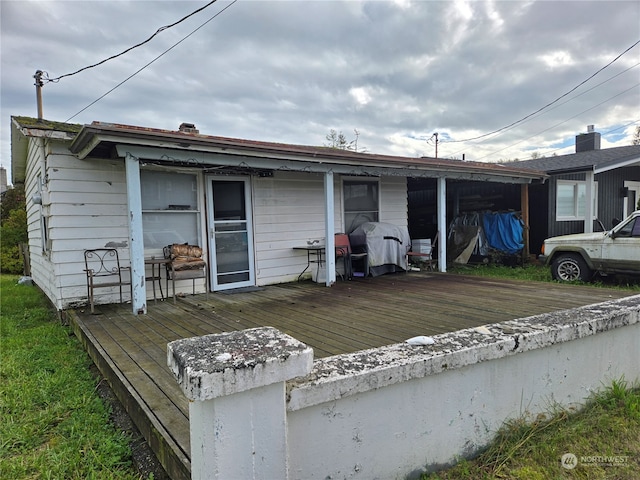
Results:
436 137
39 83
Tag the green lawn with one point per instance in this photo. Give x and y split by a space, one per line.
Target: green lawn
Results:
53 425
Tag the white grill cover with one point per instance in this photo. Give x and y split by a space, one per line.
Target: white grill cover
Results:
387 244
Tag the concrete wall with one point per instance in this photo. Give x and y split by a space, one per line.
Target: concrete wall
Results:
397 411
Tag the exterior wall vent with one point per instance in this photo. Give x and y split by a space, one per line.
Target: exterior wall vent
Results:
188 128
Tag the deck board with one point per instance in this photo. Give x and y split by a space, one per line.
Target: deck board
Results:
351 315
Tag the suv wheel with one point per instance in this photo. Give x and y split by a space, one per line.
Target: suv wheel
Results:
570 267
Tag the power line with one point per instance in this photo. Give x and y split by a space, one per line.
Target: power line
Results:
152 61
560 104
548 104
560 123
161 29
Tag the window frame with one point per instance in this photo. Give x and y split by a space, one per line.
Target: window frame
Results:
576 184
196 212
359 180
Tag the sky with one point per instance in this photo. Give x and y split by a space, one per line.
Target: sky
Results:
390 74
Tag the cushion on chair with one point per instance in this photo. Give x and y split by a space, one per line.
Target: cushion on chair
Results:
186 257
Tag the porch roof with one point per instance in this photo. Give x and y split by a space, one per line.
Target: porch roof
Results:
194 149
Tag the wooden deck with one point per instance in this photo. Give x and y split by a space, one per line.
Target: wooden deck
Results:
350 316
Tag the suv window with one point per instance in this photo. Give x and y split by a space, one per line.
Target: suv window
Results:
631 229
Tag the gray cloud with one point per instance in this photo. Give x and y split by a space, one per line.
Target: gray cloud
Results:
288 71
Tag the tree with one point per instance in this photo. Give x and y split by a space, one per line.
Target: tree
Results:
13 230
636 136
338 140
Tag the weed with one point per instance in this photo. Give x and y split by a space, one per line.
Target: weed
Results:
602 437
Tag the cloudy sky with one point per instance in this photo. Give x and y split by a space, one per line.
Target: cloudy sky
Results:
290 71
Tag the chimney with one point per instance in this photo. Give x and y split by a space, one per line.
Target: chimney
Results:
588 141
188 128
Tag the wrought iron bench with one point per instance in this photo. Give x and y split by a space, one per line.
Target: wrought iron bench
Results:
103 270
185 263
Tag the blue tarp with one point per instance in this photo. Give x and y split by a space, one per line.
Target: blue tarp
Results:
503 231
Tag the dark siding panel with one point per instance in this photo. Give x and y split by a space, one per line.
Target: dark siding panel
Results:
610 199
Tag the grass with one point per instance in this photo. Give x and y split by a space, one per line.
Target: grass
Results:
600 441
52 422
539 273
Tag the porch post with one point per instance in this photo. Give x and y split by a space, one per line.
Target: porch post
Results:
442 223
136 248
524 209
330 249
235 383
588 201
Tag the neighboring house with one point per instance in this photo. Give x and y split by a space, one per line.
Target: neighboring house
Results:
610 177
247 203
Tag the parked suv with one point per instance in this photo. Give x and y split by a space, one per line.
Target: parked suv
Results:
580 256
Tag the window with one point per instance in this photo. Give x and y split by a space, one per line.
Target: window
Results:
631 229
44 224
570 200
169 208
361 202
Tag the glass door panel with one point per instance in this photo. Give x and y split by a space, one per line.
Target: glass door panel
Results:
231 235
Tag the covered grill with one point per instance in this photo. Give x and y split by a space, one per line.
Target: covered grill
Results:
386 245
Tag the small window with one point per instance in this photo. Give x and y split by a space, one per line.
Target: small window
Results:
44 224
361 203
169 208
570 200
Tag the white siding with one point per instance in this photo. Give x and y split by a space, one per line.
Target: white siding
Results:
42 270
289 210
393 201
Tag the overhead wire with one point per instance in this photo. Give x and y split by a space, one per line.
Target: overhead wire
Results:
151 62
539 114
159 30
560 123
550 103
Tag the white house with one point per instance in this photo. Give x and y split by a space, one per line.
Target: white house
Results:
247 203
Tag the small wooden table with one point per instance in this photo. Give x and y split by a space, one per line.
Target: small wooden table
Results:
153 261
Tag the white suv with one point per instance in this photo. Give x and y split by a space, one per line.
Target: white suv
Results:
580 256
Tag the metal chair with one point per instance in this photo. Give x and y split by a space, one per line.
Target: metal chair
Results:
344 251
103 270
424 254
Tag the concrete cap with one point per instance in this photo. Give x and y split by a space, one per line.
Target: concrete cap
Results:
213 366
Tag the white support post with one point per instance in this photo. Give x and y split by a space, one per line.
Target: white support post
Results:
588 202
442 223
330 241
136 247
235 383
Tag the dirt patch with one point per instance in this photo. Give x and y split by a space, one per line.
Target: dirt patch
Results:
142 457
